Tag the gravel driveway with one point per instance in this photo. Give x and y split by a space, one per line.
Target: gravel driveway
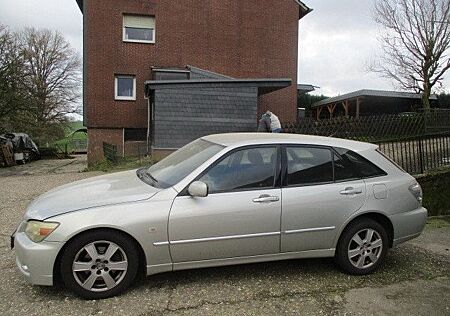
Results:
414 280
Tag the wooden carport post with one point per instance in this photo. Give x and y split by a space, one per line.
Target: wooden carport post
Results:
345 105
358 103
318 111
331 108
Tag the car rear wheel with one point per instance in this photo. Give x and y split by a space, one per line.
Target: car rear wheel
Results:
362 247
99 264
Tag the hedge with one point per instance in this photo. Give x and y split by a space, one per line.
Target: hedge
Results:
436 192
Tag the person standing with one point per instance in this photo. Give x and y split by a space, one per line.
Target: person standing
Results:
275 124
264 124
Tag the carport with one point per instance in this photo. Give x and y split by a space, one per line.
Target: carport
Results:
368 102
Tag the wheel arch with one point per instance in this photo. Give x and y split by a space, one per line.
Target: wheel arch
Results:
142 269
379 217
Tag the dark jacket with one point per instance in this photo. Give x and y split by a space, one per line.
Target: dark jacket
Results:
264 124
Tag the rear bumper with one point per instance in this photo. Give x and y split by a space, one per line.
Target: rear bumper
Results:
408 225
35 260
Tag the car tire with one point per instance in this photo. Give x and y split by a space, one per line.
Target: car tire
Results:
99 264
362 247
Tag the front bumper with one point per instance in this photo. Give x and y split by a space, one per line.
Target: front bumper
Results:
408 225
36 260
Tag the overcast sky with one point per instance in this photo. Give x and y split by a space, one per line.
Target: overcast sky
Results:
336 40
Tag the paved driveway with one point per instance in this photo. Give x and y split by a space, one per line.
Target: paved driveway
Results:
414 281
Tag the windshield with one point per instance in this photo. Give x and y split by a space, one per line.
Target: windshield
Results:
179 164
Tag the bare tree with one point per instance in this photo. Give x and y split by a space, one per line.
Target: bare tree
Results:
52 71
415 43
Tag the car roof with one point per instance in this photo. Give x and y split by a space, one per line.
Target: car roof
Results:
243 139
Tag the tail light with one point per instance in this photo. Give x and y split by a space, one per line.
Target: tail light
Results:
416 190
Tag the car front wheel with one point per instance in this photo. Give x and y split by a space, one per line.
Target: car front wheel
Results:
362 247
99 264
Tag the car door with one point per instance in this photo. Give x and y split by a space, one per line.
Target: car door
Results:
320 191
241 214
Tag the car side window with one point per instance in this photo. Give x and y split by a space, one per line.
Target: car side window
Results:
244 169
364 167
309 165
344 169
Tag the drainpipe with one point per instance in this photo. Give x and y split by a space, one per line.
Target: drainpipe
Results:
148 125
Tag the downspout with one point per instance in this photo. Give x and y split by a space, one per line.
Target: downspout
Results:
148 125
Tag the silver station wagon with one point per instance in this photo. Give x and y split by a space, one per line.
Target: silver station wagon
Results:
221 200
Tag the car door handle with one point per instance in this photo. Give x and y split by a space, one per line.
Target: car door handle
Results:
350 191
265 198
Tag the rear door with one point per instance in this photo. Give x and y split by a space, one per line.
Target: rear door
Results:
320 191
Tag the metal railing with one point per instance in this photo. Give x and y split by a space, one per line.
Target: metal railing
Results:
419 154
418 142
110 152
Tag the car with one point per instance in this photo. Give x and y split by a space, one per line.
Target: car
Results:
222 199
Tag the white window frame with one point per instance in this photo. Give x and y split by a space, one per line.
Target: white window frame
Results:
116 83
135 40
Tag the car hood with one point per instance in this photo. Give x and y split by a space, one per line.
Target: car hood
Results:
121 187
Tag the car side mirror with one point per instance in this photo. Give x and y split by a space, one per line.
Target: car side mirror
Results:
198 189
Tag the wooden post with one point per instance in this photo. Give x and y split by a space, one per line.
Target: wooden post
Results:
318 111
358 103
345 105
331 108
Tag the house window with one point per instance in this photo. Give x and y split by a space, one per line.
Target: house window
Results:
138 28
125 88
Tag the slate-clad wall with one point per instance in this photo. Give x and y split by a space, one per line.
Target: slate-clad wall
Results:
182 115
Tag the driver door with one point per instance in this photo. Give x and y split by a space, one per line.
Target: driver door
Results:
239 217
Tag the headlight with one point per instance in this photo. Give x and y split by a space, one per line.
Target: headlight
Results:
37 231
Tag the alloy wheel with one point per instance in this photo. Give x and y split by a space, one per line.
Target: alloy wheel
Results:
365 248
100 266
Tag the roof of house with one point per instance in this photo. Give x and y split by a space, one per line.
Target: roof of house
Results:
80 4
206 73
305 88
265 85
372 93
303 8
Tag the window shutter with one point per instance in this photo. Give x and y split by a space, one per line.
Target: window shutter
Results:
139 21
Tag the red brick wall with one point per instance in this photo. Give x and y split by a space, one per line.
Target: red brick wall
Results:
96 138
135 148
243 39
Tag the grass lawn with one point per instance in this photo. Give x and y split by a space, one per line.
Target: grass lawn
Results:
67 140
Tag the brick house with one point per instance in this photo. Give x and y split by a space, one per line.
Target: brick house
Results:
131 46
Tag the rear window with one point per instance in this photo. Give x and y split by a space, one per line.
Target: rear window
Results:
364 167
390 160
